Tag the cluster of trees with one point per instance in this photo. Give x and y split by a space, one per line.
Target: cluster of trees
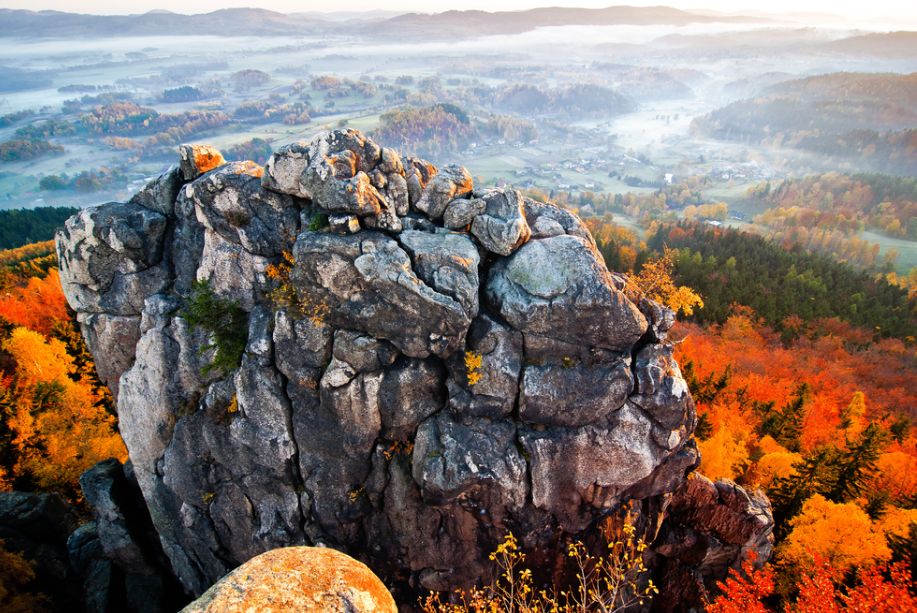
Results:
119 122
130 119
257 150
848 203
50 128
274 109
244 80
342 87
76 105
822 422
444 128
15 117
20 227
508 128
20 150
185 93
56 418
428 132
86 181
579 100
731 267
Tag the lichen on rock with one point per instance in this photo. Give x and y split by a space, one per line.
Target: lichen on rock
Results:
352 418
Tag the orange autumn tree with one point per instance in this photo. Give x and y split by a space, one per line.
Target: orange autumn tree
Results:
57 426
38 306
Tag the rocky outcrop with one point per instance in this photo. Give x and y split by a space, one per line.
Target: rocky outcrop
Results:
425 366
297 579
709 528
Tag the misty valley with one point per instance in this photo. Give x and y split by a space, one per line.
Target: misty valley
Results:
558 309
638 120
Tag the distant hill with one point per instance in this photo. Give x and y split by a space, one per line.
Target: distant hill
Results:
889 45
226 22
514 22
873 116
246 21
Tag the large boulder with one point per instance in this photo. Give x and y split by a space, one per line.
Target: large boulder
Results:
435 367
297 579
558 287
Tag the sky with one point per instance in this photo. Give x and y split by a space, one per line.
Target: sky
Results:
871 9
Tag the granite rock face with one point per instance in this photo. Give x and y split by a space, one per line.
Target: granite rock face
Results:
443 365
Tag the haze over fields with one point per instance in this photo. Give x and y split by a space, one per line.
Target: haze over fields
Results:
615 101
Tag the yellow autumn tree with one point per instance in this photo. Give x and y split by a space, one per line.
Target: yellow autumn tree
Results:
57 424
655 282
775 465
723 456
840 533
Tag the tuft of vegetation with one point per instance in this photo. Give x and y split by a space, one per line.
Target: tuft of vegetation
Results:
224 321
318 222
285 295
473 361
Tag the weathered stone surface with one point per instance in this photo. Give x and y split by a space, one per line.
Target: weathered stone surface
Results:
450 182
411 391
104 487
231 203
380 404
557 287
115 336
661 391
348 173
365 282
448 263
110 258
361 352
159 194
547 220
417 174
461 212
660 318
118 556
298 579
344 224
285 167
592 466
197 160
502 227
476 461
590 392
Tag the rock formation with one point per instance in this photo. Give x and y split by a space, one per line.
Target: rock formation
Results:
426 366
